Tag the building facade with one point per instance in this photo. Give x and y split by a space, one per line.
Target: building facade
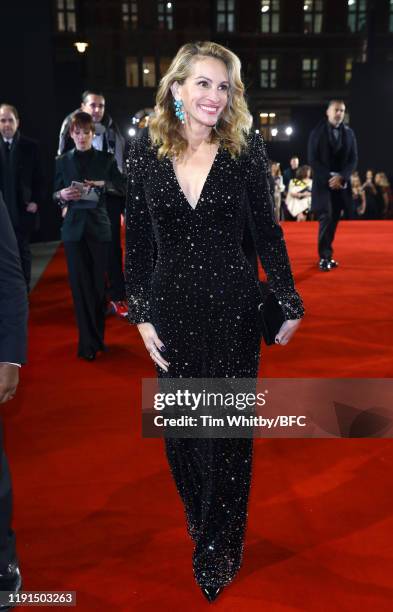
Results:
296 54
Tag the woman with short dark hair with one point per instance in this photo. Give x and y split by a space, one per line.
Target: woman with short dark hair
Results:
83 177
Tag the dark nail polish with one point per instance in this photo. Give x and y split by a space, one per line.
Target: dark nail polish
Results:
163 348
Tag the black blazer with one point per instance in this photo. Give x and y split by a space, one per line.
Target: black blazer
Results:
13 295
319 160
102 167
28 175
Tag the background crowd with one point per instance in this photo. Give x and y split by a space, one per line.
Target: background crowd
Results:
372 195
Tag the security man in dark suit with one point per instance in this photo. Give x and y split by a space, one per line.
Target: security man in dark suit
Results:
83 178
21 182
13 341
332 154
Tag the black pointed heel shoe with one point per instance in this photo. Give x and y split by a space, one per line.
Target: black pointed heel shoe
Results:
211 593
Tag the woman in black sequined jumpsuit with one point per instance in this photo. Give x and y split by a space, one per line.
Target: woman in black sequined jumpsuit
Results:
196 308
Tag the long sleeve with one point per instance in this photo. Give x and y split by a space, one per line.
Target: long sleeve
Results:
318 168
139 237
269 237
38 179
63 135
58 180
116 183
13 296
352 161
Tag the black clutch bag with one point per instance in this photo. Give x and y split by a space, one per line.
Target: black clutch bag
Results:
270 313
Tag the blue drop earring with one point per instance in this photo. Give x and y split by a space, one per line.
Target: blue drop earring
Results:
179 110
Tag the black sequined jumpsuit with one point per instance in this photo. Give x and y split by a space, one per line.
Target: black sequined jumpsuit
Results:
202 298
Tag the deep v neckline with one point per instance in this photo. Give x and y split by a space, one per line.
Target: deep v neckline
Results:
204 183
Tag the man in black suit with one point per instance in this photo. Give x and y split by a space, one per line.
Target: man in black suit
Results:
332 154
13 334
21 182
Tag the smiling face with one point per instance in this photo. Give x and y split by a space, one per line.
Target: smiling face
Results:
204 92
82 137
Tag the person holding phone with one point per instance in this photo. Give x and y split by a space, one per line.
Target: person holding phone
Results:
107 137
83 178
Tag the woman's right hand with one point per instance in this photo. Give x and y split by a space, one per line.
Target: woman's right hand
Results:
70 193
153 344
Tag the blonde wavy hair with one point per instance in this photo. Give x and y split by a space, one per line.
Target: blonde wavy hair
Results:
235 121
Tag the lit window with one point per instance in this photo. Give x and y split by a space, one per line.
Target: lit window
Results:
310 72
66 16
313 16
348 69
132 72
129 14
165 15
268 71
149 72
270 16
225 15
275 125
357 15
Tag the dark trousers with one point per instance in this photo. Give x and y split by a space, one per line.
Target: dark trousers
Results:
7 536
23 240
87 263
116 288
328 221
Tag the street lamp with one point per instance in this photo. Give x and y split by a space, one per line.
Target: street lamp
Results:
81 46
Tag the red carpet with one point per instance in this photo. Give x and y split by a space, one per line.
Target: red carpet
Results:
96 510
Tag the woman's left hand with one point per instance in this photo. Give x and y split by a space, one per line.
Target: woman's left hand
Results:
287 330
